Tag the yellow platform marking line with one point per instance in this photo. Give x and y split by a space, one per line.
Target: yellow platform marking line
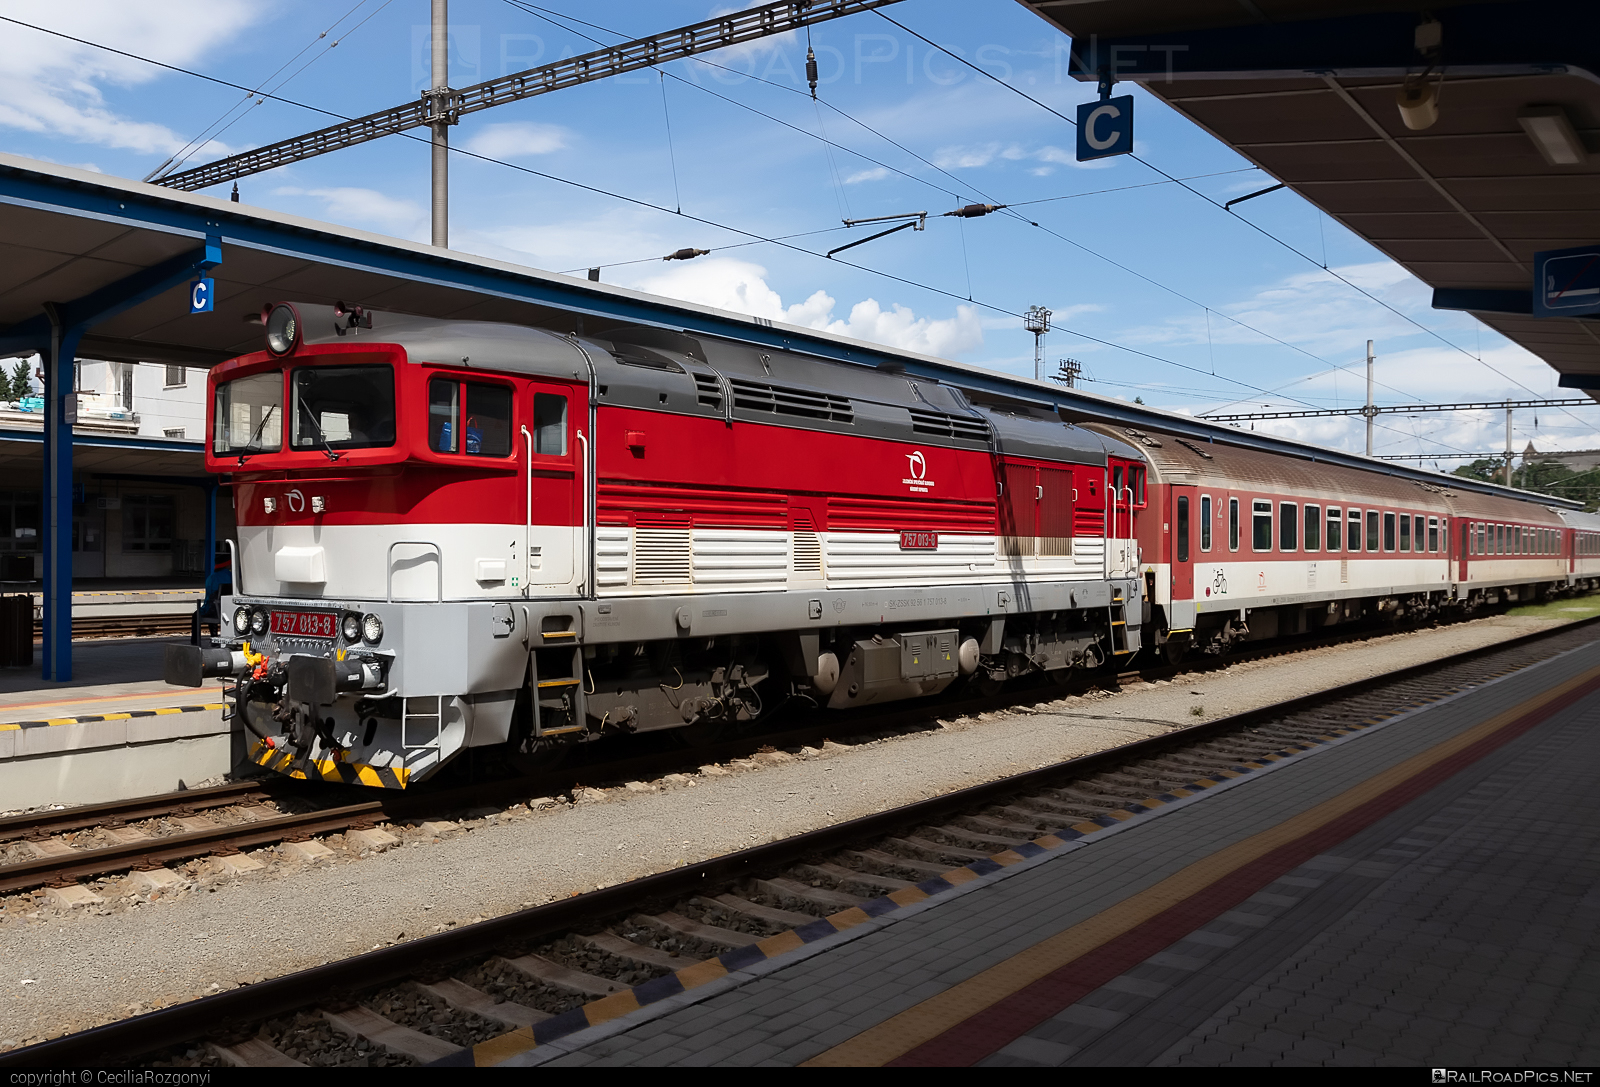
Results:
906 1031
503 1047
14 706
91 719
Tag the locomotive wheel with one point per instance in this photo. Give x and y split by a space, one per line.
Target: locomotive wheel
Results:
1174 649
543 757
702 733
985 684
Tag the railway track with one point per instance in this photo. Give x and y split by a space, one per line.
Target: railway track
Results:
534 971
63 848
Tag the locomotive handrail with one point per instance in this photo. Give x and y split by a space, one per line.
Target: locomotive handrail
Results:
583 517
238 571
527 526
388 566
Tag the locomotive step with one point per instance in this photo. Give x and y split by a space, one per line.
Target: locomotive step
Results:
558 683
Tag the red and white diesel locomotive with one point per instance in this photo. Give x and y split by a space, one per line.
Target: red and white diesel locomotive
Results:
458 534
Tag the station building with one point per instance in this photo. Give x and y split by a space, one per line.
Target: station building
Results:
141 495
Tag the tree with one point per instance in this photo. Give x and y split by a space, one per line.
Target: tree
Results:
20 383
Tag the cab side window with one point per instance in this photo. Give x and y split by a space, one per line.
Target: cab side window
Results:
550 424
470 417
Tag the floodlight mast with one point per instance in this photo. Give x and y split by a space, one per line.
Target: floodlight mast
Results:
1037 321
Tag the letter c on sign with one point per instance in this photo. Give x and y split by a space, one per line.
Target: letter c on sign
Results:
1091 127
198 299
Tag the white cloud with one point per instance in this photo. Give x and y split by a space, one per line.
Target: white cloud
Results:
517 139
742 287
369 209
614 236
976 156
877 173
52 86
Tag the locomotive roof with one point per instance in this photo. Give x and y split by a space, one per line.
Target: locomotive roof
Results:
1177 459
661 370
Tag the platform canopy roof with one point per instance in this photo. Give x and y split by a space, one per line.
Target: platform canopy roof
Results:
1306 89
117 256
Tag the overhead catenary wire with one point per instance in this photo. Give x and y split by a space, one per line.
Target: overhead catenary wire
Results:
1261 230
755 237
252 99
546 15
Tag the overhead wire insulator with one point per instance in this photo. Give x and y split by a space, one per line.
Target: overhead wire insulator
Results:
811 71
686 254
972 211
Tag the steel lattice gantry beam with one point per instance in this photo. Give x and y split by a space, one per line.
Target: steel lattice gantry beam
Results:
1399 409
450 106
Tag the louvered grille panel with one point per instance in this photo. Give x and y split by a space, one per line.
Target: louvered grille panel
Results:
757 396
709 391
661 554
939 424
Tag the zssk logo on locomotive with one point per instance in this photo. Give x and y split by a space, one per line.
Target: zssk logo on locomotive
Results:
917 465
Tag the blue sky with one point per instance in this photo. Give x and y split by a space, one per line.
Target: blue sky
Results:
1195 308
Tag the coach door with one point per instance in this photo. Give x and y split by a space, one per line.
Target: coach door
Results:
1464 542
1181 516
552 443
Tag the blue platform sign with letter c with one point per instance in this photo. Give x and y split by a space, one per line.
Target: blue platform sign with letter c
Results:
200 292
1105 128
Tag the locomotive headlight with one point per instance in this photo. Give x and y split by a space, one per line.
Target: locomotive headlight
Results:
372 629
258 622
350 627
283 329
241 621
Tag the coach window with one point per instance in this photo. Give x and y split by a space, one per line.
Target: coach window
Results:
1205 522
1352 535
1313 540
1405 532
1433 534
1233 524
1335 527
1288 526
1388 532
1372 530
1183 528
1261 525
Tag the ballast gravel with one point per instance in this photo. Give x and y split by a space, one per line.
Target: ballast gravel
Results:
67 969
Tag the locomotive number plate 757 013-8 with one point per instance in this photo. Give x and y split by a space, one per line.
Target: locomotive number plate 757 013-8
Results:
305 624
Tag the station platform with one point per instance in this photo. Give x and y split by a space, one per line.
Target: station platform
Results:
1420 893
115 730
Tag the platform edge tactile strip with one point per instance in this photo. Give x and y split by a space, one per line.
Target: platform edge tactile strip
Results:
734 966
122 715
